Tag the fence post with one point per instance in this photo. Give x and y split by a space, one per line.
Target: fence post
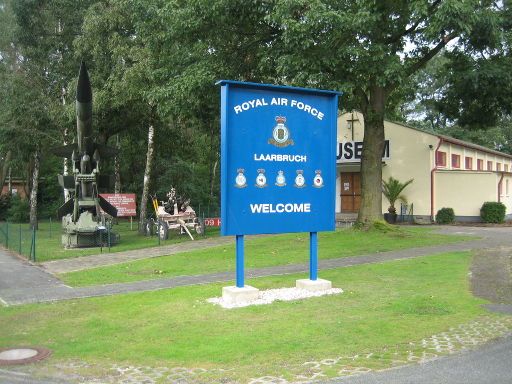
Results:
20 243
158 231
34 247
108 236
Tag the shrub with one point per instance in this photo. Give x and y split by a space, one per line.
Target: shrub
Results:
445 216
19 211
492 212
5 203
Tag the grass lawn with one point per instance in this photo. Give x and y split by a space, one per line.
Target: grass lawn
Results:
261 252
382 305
49 247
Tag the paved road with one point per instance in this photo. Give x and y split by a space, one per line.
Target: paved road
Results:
86 262
12 377
488 365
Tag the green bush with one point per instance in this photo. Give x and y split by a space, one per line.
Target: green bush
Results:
445 216
492 212
19 211
5 203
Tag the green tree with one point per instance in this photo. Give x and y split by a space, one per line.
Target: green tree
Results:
368 49
371 49
37 57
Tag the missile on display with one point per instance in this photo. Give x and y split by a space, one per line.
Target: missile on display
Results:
82 217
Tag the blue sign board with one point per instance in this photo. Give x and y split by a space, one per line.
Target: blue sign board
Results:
278 158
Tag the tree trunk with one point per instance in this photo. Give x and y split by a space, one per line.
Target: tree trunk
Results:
147 175
9 188
117 167
65 167
27 186
33 192
371 162
5 168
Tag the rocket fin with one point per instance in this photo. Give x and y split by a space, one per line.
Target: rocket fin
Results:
66 208
65 150
107 207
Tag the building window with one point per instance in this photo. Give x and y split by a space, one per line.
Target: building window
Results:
441 158
455 161
506 187
505 166
480 164
469 163
498 167
489 165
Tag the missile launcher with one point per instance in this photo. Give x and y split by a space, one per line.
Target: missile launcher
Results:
82 216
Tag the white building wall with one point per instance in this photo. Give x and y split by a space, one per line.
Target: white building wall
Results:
465 192
412 156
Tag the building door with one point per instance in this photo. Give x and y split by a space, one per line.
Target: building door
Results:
350 192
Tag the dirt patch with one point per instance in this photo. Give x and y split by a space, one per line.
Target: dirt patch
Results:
491 275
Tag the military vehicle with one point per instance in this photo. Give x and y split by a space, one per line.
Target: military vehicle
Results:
175 215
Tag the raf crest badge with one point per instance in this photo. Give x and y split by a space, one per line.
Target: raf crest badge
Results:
280 179
300 182
318 180
280 134
240 180
261 179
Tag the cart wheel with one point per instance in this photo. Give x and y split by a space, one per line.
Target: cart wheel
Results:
163 230
148 227
200 227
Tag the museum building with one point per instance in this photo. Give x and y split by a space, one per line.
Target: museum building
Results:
447 172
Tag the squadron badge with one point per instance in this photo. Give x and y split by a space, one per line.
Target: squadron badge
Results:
280 179
300 182
318 181
240 180
280 134
261 179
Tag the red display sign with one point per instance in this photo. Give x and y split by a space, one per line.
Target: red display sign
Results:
212 222
124 202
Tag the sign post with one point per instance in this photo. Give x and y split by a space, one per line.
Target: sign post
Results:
278 166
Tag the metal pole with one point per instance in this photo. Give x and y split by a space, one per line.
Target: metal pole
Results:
34 242
240 261
6 234
20 242
31 247
313 256
108 234
158 231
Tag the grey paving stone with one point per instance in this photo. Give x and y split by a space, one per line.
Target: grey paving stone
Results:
22 282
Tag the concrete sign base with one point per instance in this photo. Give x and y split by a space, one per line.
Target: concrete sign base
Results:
236 295
313 285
